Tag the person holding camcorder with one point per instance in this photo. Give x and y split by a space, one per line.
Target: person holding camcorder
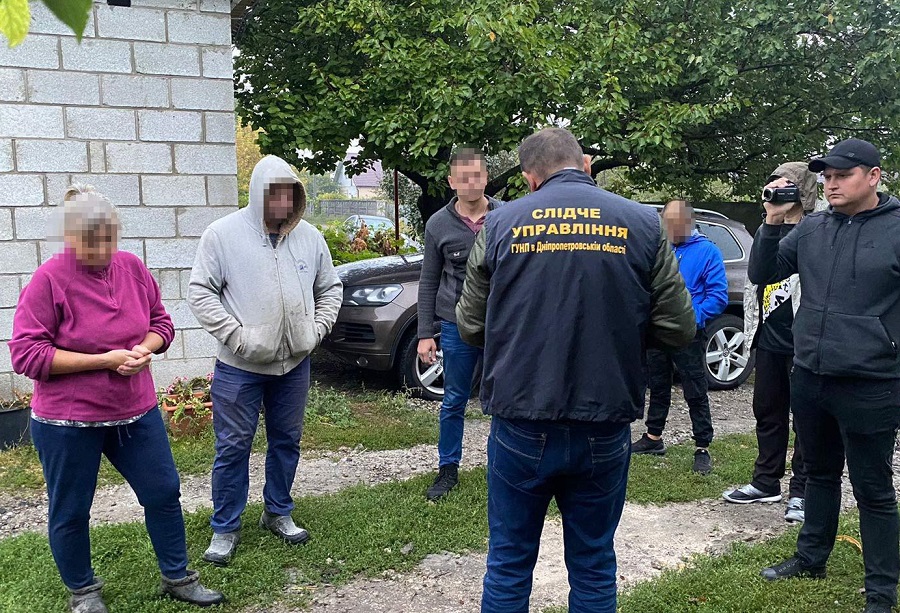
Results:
845 384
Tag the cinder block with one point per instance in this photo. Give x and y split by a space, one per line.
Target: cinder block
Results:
220 127
21 190
5 361
138 157
171 253
185 5
175 350
203 94
97 154
9 290
137 91
222 190
199 343
170 284
55 87
51 156
6 155
215 6
142 221
95 55
181 314
122 190
132 23
218 63
193 221
18 257
6 226
6 324
45 22
33 223
206 159
132 245
199 29
100 124
12 85
154 58
185 282
36 51
170 126
173 191
30 121
56 187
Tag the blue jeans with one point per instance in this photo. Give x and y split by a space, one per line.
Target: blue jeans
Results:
459 366
237 396
140 451
585 467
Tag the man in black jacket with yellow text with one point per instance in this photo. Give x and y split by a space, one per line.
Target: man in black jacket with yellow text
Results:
845 388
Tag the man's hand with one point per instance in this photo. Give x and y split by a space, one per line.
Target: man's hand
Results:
775 212
136 365
427 350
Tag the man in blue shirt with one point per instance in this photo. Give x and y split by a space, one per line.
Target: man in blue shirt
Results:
703 269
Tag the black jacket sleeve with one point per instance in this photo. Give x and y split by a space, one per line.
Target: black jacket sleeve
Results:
672 321
471 310
429 281
773 258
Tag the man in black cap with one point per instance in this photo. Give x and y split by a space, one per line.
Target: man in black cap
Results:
845 386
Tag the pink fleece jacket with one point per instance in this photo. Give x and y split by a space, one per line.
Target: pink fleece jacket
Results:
67 306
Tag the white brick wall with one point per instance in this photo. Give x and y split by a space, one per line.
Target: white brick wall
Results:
143 109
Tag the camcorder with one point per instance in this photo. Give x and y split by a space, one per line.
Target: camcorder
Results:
779 195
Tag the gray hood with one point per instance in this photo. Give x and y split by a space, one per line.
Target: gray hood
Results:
798 173
269 170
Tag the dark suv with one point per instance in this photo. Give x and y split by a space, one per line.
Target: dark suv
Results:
376 327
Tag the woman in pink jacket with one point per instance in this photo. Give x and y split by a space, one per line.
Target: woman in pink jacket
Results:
85 330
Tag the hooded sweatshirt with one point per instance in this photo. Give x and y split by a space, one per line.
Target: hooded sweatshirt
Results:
703 269
269 305
71 307
848 323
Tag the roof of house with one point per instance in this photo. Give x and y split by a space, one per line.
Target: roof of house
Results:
370 178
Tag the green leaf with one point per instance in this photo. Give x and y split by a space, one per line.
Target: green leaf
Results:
73 13
15 17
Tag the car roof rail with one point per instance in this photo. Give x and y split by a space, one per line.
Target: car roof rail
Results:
704 211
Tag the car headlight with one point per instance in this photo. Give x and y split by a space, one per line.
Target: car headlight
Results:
371 295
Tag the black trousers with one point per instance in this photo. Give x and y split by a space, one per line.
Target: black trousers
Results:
772 410
691 366
838 416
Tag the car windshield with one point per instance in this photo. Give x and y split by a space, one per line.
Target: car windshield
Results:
377 223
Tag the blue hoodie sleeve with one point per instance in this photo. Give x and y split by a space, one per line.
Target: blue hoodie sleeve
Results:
715 283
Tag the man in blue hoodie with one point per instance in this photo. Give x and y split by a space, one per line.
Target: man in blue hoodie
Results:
703 269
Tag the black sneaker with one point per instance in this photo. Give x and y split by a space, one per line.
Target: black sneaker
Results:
874 606
792 567
702 462
748 493
647 446
446 480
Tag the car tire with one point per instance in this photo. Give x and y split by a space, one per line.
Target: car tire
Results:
411 372
728 360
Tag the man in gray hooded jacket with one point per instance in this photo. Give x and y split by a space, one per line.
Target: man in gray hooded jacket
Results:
263 284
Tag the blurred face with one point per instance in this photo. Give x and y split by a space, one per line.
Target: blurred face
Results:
94 248
678 222
851 186
279 202
468 179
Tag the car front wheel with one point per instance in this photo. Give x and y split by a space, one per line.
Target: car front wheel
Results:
729 360
423 380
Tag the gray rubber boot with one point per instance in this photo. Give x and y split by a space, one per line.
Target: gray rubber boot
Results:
189 590
221 548
88 599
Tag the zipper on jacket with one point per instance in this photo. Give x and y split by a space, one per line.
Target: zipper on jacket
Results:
840 249
283 310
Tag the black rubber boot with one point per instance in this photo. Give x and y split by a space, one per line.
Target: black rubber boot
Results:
189 590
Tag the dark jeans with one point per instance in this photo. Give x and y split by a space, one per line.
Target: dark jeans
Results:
459 366
859 418
772 410
585 467
140 452
237 396
691 366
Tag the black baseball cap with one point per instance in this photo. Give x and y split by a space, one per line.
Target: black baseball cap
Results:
848 153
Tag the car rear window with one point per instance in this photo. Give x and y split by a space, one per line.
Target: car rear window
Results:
724 240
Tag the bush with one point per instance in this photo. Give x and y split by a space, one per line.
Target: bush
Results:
363 245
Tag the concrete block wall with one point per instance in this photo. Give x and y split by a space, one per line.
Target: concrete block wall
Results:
143 109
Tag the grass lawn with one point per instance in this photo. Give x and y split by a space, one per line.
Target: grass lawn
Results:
334 419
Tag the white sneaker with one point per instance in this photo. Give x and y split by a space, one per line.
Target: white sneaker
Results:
794 512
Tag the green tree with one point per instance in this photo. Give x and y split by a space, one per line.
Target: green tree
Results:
15 17
679 92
